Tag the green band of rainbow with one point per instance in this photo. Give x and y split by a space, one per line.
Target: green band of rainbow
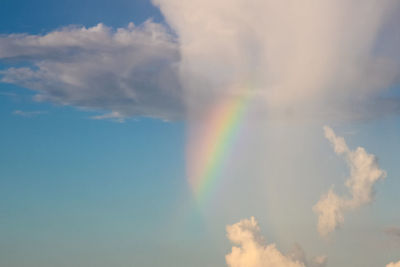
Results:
220 135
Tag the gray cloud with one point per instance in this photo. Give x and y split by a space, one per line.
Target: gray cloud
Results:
393 231
298 254
128 71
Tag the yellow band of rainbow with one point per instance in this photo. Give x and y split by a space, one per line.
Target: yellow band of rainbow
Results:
223 125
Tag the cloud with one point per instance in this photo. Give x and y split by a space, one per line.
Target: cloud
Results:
325 59
297 253
114 116
28 114
302 59
394 264
393 231
254 252
10 94
129 71
364 173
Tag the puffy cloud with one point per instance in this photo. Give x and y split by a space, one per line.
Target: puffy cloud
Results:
330 210
364 173
301 58
128 71
394 264
254 252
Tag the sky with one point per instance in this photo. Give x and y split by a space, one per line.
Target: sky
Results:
199 133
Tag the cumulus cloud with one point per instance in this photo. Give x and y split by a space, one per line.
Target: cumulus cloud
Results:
254 252
129 71
364 173
394 264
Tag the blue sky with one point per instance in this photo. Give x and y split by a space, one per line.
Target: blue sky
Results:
76 191
96 121
43 16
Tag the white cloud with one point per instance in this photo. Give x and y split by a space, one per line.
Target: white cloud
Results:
394 264
364 173
254 252
303 58
130 71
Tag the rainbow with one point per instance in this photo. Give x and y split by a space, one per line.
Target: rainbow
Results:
215 143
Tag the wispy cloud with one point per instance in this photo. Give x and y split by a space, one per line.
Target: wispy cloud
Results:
113 116
10 94
28 114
